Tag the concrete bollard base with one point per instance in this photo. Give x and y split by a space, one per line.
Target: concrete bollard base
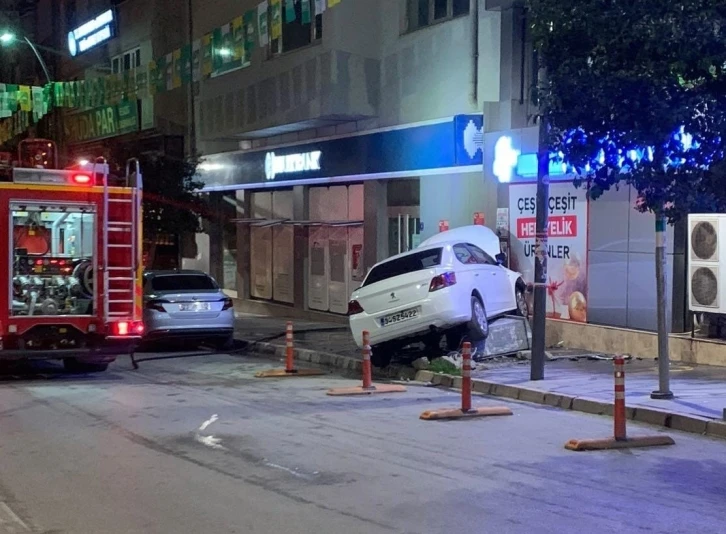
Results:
611 443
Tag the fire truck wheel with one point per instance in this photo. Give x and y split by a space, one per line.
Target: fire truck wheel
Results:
74 366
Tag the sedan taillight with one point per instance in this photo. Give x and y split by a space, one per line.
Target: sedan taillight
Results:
156 305
228 303
441 281
354 307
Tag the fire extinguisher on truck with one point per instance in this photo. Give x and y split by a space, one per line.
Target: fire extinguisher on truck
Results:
74 266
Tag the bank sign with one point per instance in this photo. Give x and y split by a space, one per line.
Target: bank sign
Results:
99 123
291 163
92 33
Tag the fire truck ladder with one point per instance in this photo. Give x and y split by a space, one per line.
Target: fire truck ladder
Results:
122 247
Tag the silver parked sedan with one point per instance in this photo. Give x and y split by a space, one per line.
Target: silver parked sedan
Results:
187 305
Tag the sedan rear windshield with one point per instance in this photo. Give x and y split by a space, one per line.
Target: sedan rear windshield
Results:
183 282
417 261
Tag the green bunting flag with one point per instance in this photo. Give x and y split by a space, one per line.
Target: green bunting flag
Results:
222 50
290 15
305 11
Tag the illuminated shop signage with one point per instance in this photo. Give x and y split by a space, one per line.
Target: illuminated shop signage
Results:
92 33
276 165
509 163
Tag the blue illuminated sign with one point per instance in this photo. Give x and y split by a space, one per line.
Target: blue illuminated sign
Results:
92 33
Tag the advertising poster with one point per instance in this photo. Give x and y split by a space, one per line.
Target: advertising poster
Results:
567 247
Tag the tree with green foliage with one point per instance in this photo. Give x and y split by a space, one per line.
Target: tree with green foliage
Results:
635 93
171 204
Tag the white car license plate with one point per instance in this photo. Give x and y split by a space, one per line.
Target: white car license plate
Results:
194 306
399 317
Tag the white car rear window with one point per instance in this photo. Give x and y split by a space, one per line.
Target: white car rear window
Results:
418 261
183 282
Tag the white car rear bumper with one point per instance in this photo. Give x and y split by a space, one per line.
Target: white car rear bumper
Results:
440 310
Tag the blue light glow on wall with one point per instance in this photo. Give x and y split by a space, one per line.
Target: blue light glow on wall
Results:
510 164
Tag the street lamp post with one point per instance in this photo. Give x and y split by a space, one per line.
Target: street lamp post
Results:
8 37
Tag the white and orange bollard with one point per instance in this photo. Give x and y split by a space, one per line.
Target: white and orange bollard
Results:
466 410
368 388
619 413
620 438
290 370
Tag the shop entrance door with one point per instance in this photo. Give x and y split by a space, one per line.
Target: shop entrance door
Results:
404 229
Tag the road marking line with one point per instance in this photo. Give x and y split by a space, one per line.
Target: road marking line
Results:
11 521
292 472
209 441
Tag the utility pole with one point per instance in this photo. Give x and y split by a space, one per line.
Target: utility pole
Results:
539 320
664 386
541 250
192 132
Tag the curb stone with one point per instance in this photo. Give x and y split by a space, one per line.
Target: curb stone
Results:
685 423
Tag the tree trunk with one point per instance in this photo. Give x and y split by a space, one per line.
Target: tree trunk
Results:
664 388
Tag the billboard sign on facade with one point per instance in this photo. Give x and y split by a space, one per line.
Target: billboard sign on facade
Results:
567 247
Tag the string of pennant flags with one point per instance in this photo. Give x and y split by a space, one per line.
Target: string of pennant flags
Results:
223 50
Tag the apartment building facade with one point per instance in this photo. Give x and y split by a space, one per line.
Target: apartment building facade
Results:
359 131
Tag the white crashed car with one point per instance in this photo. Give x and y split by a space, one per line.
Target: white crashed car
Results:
452 284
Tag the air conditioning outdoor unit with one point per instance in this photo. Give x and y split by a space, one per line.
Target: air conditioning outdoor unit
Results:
707 263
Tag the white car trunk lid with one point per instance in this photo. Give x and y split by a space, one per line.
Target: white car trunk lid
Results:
396 292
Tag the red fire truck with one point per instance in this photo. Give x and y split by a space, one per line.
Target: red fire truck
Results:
73 265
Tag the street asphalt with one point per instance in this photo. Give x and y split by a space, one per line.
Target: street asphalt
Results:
197 444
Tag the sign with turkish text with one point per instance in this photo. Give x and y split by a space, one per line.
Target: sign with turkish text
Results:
93 33
566 245
102 122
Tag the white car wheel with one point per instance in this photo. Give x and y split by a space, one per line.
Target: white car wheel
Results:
522 306
479 325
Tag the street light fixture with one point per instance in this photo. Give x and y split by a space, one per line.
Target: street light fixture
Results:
9 37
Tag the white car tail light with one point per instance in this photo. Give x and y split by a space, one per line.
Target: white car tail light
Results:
441 281
354 307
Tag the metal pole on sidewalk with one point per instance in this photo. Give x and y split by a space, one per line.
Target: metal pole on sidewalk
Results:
664 380
539 319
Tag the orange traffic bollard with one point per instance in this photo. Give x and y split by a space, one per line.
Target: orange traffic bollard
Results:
367 388
620 439
289 369
466 409
289 350
466 379
619 415
367 371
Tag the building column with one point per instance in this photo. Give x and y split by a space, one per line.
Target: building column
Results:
301 212
243 246
216 237
375 222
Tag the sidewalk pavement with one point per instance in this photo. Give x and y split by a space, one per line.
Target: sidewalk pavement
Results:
576 380
324 337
